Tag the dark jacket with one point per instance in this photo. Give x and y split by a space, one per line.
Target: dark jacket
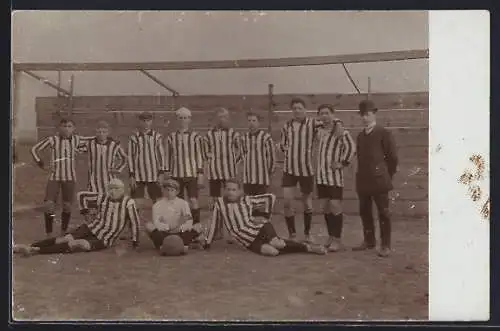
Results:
377 161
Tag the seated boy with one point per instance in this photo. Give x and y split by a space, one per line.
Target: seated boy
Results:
172 216
115 211
256 234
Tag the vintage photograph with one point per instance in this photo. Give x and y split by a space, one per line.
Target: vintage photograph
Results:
220 165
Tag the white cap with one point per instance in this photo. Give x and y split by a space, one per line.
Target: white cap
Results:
183 111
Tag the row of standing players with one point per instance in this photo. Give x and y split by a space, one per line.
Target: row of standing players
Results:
222 148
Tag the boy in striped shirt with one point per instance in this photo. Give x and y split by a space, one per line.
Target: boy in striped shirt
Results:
335 152
222 148
146 159
185 160
258 157
106 158
297 142
257 234
222 151
115 211
62 173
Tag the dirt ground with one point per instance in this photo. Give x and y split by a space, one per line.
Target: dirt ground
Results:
225 283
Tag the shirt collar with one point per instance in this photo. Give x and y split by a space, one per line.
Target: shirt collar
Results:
370 127
219 128
65 138
254 133
302 121
148 133
227 201
107 142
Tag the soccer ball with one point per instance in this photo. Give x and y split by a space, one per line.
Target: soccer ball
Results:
172 246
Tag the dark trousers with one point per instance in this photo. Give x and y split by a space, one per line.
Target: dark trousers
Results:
49 246
366 212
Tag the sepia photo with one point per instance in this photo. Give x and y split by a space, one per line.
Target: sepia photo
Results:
223 165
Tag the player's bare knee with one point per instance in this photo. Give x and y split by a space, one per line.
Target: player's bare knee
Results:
277 243
193 203
335 206
66 239
325 206
268 250
79 245
307 201
150 227
49 207
66 207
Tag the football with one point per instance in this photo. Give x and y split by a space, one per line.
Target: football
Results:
172 246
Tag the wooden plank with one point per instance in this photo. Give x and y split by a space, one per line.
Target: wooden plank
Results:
229 64
235 102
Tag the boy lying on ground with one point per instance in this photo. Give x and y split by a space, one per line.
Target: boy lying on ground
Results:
115 210
254 233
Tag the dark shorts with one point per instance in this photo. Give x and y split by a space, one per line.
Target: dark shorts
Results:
306 183
83 232
255 189
158 236
154 190
329 192
265 235
67 189
215 187
188 184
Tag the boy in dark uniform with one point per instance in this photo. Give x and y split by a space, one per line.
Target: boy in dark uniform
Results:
377 164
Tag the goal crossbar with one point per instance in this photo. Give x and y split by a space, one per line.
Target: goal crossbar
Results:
227 64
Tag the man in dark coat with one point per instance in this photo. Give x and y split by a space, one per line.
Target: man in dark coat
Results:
377 164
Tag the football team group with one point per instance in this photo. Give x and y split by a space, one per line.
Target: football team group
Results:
172 170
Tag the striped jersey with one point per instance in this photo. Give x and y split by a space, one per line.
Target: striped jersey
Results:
333 148
63 154
112 216
103 159
184 154
297 141
146 156
237 217
222 148
257 151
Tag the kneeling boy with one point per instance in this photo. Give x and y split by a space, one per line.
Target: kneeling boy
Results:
115 211
172 216
256 234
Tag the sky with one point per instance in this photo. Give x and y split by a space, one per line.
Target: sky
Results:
121 36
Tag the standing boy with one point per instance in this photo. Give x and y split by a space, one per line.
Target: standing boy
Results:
185 160
106 158
64 145
222 148
258 157
114 212
377 164
335 152
257 234
297 140
146 159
